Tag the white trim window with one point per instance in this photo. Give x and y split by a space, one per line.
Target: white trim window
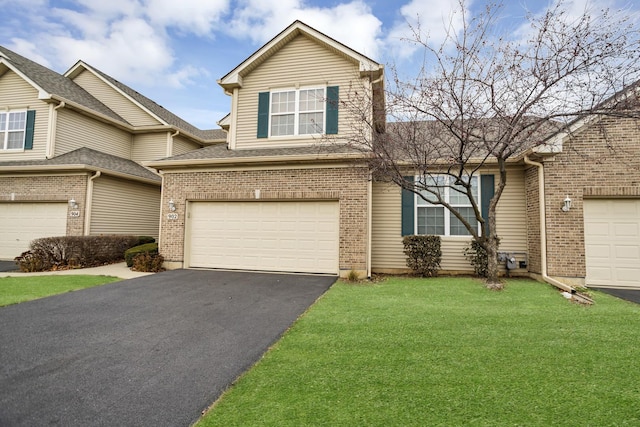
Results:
435 219
297 112
13 129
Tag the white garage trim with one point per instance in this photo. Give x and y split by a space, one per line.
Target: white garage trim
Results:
612 242
22 222
288 236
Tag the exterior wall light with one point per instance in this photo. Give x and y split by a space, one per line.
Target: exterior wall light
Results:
566 206
73 204
172 205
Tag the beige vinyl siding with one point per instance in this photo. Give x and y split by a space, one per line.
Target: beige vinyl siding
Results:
182 145
387 249
149 146
300 63
114 100
15 93
124 207
75 130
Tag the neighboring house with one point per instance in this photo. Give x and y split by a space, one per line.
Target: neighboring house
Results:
282 194
70 153
595 168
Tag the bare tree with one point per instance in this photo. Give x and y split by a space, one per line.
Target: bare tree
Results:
481 98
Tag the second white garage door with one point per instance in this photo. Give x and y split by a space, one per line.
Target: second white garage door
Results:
612 242
20 223
269 236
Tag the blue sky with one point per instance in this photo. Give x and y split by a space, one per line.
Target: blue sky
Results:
173 51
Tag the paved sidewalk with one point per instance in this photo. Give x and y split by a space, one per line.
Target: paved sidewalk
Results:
118 270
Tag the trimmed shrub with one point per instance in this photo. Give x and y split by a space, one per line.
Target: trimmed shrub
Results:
29 262
423 254
64 252
148 262
477 257
144 239
129 254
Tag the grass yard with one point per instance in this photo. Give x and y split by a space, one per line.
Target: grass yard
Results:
19 289
446 352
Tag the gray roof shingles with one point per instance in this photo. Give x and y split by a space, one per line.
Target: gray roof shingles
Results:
56 84
220 151
162 112
92 159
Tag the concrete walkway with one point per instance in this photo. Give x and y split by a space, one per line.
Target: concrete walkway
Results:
117 270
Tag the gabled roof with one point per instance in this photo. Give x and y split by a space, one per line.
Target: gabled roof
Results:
234 78
163 115
624 103
51 84
85 159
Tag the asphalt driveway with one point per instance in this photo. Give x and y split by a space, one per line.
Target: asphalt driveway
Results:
155 350
632 295
8 266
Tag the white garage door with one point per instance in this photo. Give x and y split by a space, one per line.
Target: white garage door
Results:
612 242
269 236
20 223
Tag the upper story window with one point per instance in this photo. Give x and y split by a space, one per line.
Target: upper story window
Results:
438 220
291 112
13 126
16 129
297 112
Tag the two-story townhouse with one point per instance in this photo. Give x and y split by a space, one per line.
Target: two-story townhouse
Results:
70 153
288 192
277 196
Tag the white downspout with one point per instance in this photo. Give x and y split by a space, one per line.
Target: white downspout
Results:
369 222
53 126
89 202
543 227
170 137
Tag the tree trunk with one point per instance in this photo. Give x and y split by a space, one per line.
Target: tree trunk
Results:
492 262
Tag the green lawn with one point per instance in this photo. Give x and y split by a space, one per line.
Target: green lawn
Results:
446 352
19 289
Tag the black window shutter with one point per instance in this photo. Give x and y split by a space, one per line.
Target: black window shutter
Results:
28 134
487 183
263 114
408 211
332 110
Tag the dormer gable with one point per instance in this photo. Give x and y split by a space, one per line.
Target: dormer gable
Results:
366 66
107 91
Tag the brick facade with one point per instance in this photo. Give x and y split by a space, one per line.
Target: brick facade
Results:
601 161
348 185
48 188
533 220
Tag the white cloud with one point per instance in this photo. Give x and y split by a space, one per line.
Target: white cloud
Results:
196 16
126 39
350 23
431 18
29 50
131 50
